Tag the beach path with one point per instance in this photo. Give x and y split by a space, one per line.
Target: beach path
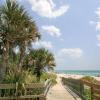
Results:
58 92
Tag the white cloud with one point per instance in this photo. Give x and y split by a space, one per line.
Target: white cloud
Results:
52 30
98 26
98 44
98 12
98 37
45 44
92 22
96 23
69 57
71 52
46 8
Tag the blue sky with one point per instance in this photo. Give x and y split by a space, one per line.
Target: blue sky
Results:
70 29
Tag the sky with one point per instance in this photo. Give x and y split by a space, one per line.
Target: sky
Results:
70 29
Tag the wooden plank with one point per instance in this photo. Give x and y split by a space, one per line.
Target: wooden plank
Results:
7 98
87 83
13 86
96 91
91 84
96 86
7 86
47 88
35 85
31 96
22 97
96 97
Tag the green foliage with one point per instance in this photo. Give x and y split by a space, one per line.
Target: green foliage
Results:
18 29
16 24
44 77
40 60
14 76
87 94
51 76
89 78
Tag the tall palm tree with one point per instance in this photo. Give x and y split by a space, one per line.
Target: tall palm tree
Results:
16 27
41 59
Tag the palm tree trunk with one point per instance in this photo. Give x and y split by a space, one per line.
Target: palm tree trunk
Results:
38 72
5 60
22 56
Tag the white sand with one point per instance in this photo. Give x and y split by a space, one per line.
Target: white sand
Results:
70 76
75 76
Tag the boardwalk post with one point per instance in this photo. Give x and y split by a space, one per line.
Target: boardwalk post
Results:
91 92
44 98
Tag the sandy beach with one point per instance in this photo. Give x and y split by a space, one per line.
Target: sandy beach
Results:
75 76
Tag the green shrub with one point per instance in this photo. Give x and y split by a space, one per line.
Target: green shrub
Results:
51 76
14 76
87 94
89 78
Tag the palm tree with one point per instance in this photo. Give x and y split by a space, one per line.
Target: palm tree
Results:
50 61
41 60
17 28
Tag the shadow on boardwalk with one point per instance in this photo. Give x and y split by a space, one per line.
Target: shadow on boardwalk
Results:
58 92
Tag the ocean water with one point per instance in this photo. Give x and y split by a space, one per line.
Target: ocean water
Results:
81 72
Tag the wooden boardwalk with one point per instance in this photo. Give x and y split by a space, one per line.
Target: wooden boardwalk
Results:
58 92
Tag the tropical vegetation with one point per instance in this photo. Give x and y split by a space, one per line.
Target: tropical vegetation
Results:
17 31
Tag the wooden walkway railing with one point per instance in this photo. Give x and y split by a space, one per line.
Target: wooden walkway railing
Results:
85 89
47 87
34 91
95 90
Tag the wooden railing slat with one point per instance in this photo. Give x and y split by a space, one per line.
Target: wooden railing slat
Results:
35 85
87 83
96 91
22 97
7 86
96 86
96 97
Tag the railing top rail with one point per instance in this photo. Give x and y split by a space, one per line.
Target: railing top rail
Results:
7 86
21 97
85 82
13 86
95 85
47 81
34 85
47 86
